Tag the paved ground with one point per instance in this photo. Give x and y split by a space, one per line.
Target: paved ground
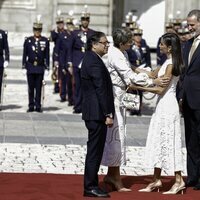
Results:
54 141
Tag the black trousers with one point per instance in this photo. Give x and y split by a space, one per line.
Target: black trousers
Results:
77 89
192 137
1 78
96 140
34 90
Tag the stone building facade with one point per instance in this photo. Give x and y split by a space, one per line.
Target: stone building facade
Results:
17 16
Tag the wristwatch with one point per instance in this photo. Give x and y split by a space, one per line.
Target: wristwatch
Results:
110 115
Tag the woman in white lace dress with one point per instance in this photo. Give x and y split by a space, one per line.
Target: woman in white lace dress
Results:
122 75
163 146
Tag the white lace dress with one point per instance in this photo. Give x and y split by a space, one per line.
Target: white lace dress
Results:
163 146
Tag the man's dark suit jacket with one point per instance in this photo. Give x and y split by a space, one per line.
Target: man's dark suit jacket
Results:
191 79
96 86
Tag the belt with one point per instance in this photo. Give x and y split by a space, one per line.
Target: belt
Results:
36 63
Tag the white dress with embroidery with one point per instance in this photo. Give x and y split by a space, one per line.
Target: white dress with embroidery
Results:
163 146
121 75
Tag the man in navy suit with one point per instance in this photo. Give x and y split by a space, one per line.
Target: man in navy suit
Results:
97 109
4 55
77 43
189 99
35 61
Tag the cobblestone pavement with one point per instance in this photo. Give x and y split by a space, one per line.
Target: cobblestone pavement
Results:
54 141
62 159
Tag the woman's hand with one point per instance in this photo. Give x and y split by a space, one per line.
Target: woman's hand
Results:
162 81
134 87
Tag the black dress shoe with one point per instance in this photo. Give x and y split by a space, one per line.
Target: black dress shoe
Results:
191 183
70 104
63 100
30 110
76 111
197 186
96 193
38 110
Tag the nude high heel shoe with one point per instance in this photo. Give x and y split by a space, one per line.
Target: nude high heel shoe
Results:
175 189
152 186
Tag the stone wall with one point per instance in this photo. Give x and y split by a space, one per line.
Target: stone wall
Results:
17 16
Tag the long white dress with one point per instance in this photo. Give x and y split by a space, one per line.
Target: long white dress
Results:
115 145
163 146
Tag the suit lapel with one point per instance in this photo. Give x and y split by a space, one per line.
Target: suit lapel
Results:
187 53
196 53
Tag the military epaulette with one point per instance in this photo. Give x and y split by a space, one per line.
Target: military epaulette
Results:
27 37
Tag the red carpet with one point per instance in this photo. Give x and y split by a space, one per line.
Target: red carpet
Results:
68 187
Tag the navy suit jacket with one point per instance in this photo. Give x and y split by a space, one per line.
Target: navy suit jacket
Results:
96 88
190 87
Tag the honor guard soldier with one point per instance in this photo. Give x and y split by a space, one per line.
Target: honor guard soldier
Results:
4 58
139 53
53 38
139 56
62 51
35 62
78 46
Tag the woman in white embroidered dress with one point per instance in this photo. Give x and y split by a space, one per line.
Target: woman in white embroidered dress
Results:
163 146
122 75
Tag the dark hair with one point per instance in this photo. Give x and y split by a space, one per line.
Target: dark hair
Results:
93 39
172 39
121 36
195 13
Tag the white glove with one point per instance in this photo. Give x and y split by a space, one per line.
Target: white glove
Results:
46 72
24 72
56 63
70 70
5 64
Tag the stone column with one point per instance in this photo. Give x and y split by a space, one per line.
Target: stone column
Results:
118 13
184 6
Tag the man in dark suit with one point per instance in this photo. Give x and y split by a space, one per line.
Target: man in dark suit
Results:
35 61
189 99
97 109
4 57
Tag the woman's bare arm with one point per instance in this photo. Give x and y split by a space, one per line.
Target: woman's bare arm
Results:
156 89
